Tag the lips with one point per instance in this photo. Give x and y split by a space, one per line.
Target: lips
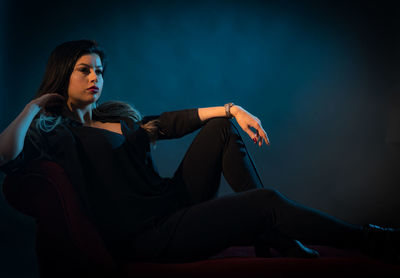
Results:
93 89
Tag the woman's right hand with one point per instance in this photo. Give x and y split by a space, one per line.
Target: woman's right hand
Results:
13 137
48 102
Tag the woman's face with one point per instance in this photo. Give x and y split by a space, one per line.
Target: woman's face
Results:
88 72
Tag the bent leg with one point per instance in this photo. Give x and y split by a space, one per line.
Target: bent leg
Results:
209 227
217 148
245 218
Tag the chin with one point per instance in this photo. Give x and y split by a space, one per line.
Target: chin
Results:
92 99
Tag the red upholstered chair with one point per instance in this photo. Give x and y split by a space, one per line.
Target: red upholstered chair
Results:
66 242
68 245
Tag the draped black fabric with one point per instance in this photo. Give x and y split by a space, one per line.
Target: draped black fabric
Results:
119 187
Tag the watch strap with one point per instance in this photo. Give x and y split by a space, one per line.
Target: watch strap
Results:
228 109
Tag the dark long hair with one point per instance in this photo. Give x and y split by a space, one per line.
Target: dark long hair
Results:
61 64
56 78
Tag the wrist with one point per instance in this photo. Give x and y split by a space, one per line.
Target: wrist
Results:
234 110
32 108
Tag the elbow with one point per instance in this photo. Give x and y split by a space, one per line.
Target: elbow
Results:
5 158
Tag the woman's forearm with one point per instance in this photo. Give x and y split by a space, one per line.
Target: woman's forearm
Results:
12 138
217 111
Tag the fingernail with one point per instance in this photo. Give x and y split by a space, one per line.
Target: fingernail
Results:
255 140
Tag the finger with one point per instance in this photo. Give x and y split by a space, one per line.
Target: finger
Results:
56 95
258 139
261 134
52 94
52 101
266 139
252 135
264 135
60 96
261 140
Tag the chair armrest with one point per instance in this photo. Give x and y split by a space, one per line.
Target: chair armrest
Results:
43 190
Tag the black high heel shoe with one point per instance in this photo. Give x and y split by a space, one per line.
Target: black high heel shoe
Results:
287 247
297 250
381 243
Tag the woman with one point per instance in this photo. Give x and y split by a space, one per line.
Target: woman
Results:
105 150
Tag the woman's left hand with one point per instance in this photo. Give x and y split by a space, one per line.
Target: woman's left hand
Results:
246 121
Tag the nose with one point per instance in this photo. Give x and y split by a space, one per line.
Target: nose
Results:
93 76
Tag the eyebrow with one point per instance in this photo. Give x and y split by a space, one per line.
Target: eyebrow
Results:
88 65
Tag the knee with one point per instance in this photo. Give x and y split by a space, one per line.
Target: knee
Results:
267 194
221 129
263 201
219 123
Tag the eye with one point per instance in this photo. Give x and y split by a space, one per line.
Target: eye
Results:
99 71
84 70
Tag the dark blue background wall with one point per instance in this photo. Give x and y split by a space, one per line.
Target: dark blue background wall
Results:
321 77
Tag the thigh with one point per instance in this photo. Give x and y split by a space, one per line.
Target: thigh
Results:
212 226
200 170
218 148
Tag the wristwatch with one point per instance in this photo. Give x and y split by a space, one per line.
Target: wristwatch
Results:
228 109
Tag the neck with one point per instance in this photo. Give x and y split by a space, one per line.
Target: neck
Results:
82 114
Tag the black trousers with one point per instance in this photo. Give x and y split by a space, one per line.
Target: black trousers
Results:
253 215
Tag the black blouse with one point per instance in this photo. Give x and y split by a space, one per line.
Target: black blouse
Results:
119 188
